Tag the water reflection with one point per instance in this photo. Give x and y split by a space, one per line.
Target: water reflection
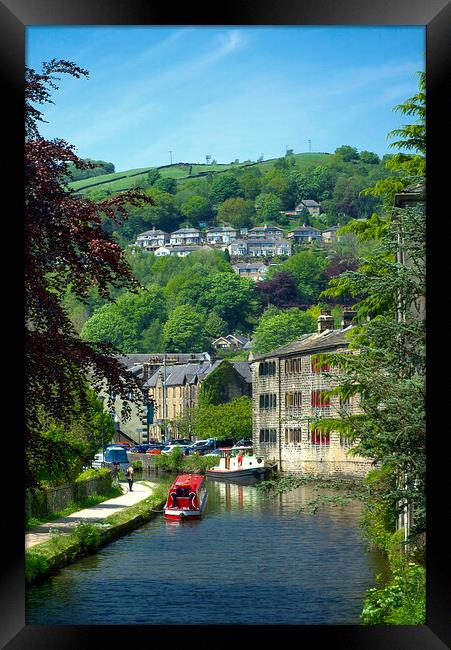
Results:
252 559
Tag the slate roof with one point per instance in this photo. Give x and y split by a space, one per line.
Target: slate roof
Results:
153 232
244 369
311 343
309 203
177 375
249 265
304 228
186 231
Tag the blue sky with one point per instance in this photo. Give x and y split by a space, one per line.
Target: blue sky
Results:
230 92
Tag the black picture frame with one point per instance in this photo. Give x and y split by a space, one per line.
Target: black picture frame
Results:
435 15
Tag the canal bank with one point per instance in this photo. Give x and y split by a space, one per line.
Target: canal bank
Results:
51 546
252 559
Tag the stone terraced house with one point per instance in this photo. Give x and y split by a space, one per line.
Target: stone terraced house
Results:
175 389
288 394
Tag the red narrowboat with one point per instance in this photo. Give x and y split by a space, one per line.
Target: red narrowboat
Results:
187 497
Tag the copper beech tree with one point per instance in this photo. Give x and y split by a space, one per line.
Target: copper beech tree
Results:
65 244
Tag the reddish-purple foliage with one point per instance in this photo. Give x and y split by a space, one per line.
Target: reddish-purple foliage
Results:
280 291
65 243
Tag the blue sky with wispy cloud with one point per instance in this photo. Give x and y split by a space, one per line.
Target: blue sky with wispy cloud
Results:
230 92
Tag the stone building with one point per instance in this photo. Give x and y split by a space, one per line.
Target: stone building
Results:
259 247
254 270
150 240
288 395
175 390
142 366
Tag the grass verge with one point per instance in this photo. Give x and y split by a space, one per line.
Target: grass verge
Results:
64 548
89 502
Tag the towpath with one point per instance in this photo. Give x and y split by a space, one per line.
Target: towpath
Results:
43 532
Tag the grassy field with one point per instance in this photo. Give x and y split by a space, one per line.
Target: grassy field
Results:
126 179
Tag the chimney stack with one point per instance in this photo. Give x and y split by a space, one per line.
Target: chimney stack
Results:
348 317
146 370
325 321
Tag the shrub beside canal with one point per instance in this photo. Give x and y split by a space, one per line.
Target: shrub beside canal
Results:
176 461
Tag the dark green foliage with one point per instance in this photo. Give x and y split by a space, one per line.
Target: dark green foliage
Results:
99 168
225 186
347 153
216 387
279 327
400 602
230 420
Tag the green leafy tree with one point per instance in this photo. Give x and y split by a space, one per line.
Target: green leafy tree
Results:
215 326
268 207
347 153
230 420
251 183
278 328
152 176
196 208
239 212
184 330
369 157
307 268
151 339
60 450
224 186
233 298
406 167
123 322
166 184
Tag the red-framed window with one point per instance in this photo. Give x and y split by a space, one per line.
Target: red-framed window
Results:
319 366
319 437
319 399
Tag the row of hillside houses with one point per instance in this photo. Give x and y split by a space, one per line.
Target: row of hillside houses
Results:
260 241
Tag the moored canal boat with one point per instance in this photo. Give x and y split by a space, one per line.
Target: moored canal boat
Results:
187 497
239 464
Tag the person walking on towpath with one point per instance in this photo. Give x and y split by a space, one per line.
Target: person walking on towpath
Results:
129 474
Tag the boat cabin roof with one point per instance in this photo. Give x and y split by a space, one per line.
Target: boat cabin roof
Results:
191 481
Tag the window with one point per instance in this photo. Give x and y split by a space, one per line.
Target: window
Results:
268 401
267 368
293 399
319 366
320 438
268 435
292 366
293 436
319 399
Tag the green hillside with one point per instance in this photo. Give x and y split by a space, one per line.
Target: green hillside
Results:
181 171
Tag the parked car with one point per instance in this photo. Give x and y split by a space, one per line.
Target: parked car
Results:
244 442
211 446
195 445
169 448
141 449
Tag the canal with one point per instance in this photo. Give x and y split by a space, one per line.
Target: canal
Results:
252 559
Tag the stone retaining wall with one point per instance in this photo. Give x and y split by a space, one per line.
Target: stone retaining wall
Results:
146 460
42 502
